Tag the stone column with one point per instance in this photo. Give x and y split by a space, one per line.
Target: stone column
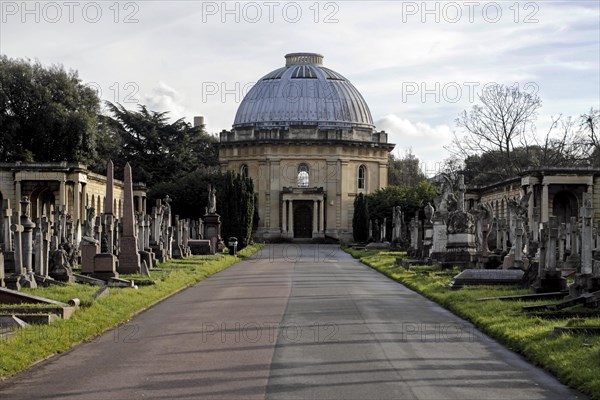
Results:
1 269
108 207
6 216
530 207
76 202
545 203
322 217
291 219
84 203
62 197
27 236
315 229
17 229
18 195
283 218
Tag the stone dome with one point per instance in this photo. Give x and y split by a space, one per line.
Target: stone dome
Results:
303 92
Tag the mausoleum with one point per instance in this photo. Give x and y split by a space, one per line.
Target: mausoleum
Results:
306 137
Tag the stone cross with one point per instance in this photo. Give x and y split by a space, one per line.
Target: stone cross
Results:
518 245
98 229
551 248
586 213
46 237
16 230
562 238
574 236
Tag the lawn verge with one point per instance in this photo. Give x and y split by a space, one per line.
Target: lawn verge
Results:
34 343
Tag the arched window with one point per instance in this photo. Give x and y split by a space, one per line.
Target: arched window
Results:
244 170
303 176
362 176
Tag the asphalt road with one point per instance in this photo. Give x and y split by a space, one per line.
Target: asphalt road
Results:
295 322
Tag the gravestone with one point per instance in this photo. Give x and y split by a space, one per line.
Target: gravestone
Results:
105 263
549 277
585 280
177 250
461 247
475 277
129 258
440 238
199 246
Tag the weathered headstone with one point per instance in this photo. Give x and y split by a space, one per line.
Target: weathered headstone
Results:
129 258
585 280
549 277
487 277
461 246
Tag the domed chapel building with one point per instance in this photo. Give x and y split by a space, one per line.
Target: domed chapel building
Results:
305 135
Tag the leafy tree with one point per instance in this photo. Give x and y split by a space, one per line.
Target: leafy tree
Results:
237 207
360 219
411 199
159 150
46 114
404 170
235 200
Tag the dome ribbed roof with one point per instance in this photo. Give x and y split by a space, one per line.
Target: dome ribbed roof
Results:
303 93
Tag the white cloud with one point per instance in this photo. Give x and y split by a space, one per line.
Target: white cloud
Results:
162 98
426 142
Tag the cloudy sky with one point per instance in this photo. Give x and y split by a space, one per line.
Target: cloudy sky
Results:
417 64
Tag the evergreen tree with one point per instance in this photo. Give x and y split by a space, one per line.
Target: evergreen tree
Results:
360 220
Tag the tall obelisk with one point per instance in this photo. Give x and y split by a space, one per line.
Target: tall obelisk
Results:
129 258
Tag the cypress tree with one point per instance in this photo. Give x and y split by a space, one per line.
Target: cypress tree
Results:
360 219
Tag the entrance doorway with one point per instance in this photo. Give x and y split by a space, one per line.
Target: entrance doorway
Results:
303 216
564 206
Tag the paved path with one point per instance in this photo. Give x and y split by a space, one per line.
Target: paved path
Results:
296 322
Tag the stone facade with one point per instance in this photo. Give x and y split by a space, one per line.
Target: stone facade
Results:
555 192
52 185
309 150
333 170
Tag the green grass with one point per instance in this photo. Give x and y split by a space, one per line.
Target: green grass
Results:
37 342
573 358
